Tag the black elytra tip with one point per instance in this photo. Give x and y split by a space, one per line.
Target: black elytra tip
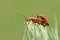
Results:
47 24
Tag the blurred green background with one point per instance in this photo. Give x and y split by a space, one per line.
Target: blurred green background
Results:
12 24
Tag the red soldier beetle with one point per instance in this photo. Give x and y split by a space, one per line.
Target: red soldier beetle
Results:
42 19
35 20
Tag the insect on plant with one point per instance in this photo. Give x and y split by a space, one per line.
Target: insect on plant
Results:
32 31
33 26
39 20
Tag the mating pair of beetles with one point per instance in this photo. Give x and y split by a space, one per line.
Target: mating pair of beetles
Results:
41 20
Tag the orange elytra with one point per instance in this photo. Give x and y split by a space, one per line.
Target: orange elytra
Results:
33 19
43 19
